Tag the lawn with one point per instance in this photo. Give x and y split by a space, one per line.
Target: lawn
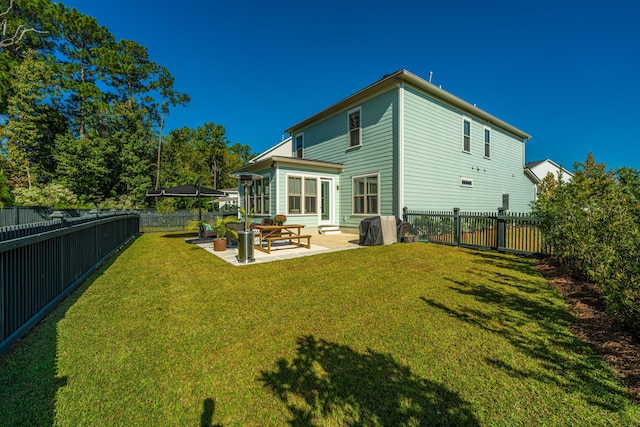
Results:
166 334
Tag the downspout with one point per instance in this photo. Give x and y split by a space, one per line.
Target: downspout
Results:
400 174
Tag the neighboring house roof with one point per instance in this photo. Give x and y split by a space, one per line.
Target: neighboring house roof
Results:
229 190
540 168
283 148
289 161
391 80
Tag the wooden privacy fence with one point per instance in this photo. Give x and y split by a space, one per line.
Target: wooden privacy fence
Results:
507 232
39 269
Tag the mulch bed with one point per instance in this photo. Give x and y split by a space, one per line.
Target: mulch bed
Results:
617 346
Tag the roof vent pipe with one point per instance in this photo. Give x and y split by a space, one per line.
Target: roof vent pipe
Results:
430 76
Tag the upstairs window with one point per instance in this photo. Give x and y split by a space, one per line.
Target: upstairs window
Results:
299 146
487 142
355 130
466 135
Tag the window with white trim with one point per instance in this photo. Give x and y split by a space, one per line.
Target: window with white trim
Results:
302 195
487 142
466 182
355 127
259 196
310 195
299 146
365 195
466 135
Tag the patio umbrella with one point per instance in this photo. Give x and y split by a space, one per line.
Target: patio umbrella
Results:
189 190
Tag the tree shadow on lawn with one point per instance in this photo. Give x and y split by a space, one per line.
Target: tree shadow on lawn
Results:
208 410
520 263
334 382
509 310
28 371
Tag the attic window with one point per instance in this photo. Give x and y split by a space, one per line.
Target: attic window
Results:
466 182
355 131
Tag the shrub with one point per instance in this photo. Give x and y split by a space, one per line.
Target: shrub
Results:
593 225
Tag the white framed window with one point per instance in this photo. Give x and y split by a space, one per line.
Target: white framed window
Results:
487 142
466 135
299 147
311 195
366 194
302 195
259 196
466 182
354 119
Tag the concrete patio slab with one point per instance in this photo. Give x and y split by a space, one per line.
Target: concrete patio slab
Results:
320 243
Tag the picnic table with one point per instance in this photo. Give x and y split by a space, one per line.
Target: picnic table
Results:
272 233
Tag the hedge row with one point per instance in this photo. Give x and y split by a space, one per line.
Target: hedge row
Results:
593 225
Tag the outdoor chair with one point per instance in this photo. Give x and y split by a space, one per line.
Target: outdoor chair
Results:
205 231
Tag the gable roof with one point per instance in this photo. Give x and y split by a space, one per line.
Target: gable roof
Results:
283 148
272 161
531 166
392 80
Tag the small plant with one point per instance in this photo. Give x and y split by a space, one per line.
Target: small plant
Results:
280 219
222 228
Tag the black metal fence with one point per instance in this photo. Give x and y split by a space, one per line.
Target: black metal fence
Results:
40 268
151 220
507 232
16 218
21 215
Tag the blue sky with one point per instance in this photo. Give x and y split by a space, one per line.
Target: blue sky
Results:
565 72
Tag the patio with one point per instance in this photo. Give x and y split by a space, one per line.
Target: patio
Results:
320 243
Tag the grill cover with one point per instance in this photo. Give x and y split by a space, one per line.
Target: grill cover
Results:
374 232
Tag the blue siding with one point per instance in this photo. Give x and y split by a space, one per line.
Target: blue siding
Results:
327 141
428 175
434 160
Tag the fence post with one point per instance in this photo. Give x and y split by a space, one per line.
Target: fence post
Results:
456 226
502 229
59 215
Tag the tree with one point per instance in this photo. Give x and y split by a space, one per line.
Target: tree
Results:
26 139
51 195
169 98
5 194
84 43
11 39
131 139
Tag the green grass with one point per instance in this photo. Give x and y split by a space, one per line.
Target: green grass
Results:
167 334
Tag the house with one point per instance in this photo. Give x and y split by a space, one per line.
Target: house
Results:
539 169
228 203
400 142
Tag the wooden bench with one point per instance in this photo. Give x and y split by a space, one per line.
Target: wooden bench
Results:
289 237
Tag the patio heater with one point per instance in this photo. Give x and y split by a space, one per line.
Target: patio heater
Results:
245 238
